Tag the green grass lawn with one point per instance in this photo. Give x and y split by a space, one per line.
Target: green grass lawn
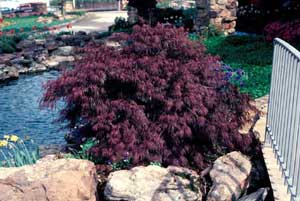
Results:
27 23
250 53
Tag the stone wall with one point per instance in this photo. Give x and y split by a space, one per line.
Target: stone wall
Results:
202 16
222 14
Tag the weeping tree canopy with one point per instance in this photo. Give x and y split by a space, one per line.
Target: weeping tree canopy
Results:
142 6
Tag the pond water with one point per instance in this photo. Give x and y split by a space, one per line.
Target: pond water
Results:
20 113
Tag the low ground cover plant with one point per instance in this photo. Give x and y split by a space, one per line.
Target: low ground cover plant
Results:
252 54
30 23
159 99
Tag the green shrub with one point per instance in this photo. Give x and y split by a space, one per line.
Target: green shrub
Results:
120 25
8 42
83 152
6 47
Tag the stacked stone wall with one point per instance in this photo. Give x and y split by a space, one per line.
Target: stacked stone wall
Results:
219 13
222 14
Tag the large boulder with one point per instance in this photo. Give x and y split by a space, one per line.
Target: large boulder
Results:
230 176
50 179
153 183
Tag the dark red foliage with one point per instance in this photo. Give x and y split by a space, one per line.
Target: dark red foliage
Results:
160 98
289 31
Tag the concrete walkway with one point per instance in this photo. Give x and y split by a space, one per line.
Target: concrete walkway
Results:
97 21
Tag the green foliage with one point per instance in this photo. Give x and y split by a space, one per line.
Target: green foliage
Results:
7 46
194 36
163 4
249 53
123 164
155 164
211 31
64 33
8 42
84 152
120 25
77 12
15 152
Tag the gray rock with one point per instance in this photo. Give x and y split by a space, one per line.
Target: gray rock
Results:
5 58
230 176
80 33
56 62
37 67
21 69
8 72
20 61
64 51
51 45
40 42
26 44
51 64
259 195
27 54
55 149
153 183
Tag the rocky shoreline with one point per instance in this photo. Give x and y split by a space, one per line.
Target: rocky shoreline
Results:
38 55
54 175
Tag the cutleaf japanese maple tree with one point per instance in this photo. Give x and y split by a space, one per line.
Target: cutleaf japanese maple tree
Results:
158 98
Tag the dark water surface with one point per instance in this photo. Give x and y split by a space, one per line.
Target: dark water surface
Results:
20 113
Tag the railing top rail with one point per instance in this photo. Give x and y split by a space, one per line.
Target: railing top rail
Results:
288 47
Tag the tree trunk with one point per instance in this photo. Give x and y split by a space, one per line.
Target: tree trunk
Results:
202 19
63 7
0 11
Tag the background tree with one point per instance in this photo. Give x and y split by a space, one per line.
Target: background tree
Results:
143 6
62 2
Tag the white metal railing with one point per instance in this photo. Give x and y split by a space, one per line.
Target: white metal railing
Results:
283 121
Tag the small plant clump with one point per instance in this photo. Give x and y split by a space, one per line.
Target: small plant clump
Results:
15 152
160 98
